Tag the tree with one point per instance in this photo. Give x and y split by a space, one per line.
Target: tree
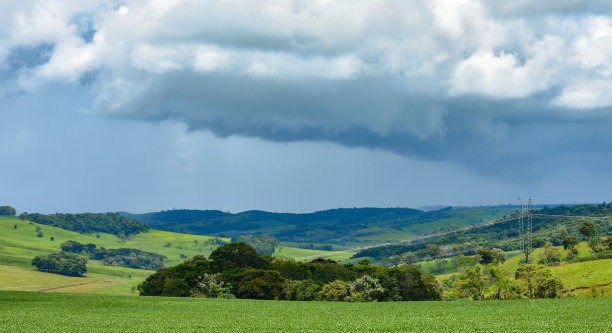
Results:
433 250
563 233
412 284
367 288
72 246
7 211
499 256
234 255
486 256
261 284
540 281
551 255
473 282
336 291
588 230
570 242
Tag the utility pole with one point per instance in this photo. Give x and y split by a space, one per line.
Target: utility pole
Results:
529 229
521 231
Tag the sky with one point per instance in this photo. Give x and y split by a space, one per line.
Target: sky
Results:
303 105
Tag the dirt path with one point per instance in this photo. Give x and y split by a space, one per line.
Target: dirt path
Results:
584 288
68 286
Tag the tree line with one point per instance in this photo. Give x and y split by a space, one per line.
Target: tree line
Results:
237 270
111 223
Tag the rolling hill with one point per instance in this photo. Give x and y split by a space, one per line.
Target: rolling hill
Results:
346 226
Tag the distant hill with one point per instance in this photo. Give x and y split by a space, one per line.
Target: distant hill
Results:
335 226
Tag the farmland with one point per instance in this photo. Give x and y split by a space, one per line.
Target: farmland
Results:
20 311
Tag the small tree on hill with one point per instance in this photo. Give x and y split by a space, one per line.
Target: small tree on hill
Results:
7 211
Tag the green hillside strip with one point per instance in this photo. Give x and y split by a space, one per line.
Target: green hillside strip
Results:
36 312
335 226
111 223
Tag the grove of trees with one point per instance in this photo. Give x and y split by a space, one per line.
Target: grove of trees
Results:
237 270
61 263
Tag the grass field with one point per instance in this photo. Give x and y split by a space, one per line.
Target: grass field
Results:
307 254
19 245
43 312
577 277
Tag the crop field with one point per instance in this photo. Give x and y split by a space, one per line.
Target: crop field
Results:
308 254
45 312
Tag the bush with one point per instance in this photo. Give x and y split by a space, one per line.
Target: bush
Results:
305 290
336 291
61 263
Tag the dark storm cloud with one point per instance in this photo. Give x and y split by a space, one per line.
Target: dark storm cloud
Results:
512 90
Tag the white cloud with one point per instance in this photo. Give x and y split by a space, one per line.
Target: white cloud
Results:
586 94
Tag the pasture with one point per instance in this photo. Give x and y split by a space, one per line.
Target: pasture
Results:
54 312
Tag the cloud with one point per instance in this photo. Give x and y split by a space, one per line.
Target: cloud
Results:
462 81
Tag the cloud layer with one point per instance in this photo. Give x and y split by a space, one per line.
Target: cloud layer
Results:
510 90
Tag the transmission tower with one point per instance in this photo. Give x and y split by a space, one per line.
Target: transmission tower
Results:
520 225
529 248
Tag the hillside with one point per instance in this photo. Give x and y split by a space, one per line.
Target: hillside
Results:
19 243
337 226
546 225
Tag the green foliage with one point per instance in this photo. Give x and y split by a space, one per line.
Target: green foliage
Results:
132 258
367 288
72 246
588 230
111 223
189 272
7 211
234 255
412 284
473 283
262 243
176 287
261 284
540 281
304 290
570 242
336 291
211 286
61 263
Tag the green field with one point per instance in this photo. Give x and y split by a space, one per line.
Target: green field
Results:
307 254
42 312
19 245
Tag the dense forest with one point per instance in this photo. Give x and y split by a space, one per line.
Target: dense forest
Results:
111 223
